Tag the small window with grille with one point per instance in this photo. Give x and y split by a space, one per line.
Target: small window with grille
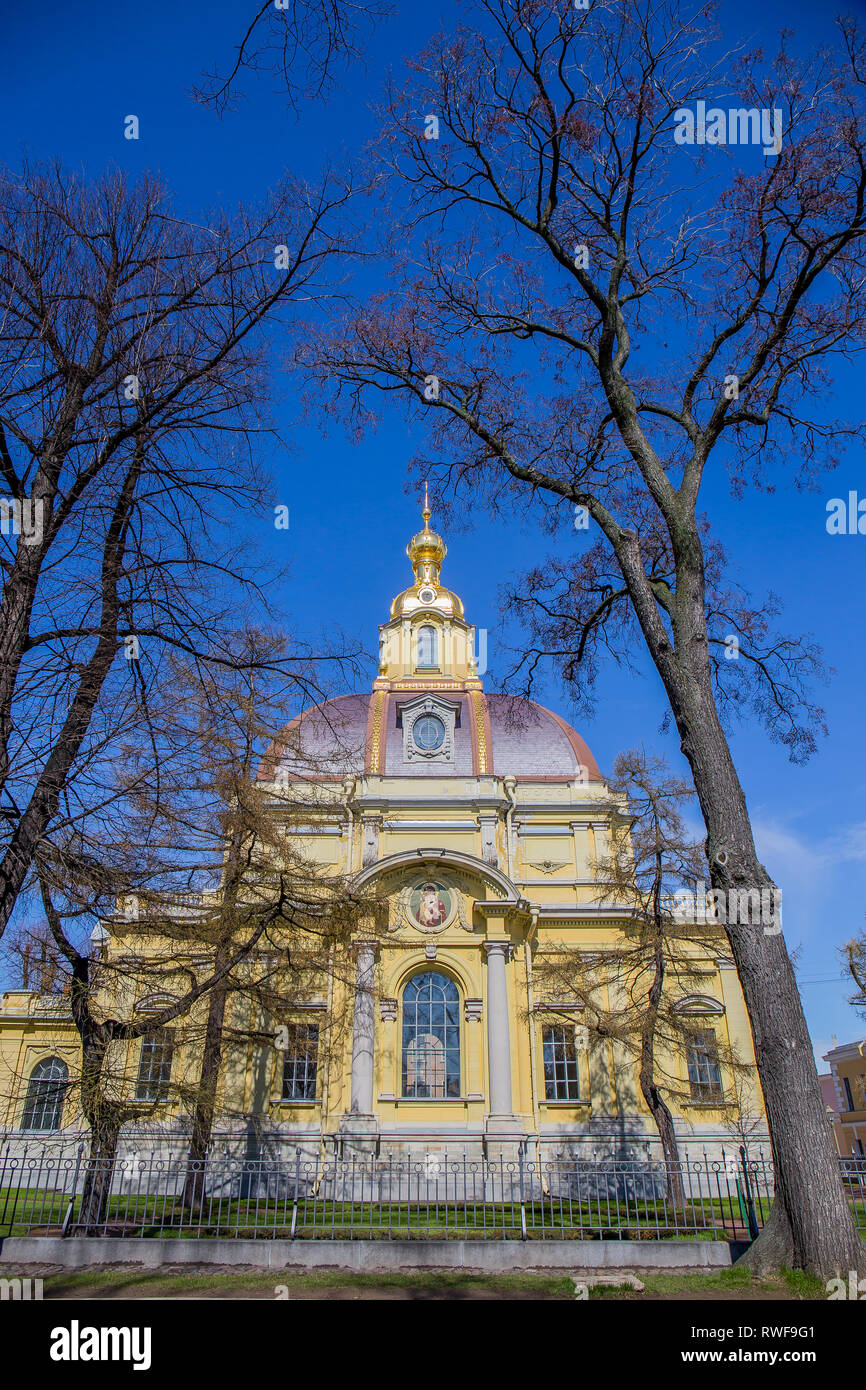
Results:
154 1068
300 1063
559 1053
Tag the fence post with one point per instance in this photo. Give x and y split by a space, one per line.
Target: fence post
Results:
64 1229
295 1202
753 1224
8 1189
522 1196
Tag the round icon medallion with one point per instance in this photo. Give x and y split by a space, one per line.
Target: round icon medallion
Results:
430 905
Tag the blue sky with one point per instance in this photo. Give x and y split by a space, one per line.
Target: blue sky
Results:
70 74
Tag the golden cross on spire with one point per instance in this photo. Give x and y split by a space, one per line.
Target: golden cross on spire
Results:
426 509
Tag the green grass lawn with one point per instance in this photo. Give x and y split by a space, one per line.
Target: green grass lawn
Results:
21 1211
736 1283
553 1218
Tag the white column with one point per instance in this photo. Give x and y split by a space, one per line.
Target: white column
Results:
498 1040
362 1034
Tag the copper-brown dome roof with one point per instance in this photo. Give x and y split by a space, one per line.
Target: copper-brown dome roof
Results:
499 734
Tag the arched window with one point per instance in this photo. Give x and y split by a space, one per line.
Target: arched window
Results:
46 1091
427 647
431 1037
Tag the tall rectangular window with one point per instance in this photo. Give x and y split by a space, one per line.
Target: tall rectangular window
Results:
705 1077
559 1051
427 648
154 1068
301 1062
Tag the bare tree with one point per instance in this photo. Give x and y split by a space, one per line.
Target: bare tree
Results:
32 959
207 900
214 817
302 43
600 316
854 956
103 1081
133 386
631 991
742 1119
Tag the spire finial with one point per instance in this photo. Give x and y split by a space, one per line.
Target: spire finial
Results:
426 550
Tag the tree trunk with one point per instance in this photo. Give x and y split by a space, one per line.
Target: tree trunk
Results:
104 1136
662 1117
664 1123
811 1226
203 1116
202 1126
103 1116
45 796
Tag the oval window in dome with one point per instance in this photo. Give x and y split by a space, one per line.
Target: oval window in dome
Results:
428 733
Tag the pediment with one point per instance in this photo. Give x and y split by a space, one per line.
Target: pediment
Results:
428 702
698 1004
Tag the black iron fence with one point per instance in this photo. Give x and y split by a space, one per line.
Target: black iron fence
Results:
396 1198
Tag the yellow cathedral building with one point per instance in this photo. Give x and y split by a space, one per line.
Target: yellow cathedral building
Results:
481 819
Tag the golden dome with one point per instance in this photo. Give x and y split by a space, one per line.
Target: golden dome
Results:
427 596
426 552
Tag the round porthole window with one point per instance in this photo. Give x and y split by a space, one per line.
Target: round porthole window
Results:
428 733
427 596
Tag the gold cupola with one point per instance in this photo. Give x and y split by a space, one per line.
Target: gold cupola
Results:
427 643
426 552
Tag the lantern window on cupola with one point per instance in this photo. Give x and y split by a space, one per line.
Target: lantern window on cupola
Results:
428 648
